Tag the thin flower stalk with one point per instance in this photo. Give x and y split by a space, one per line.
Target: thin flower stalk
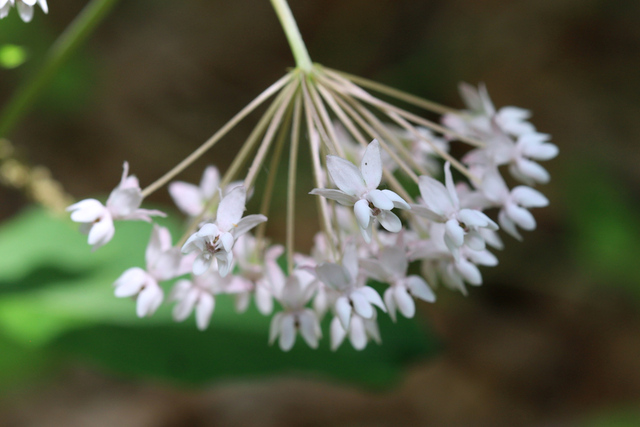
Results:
291 183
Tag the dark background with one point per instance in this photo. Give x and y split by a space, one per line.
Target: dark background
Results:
551 338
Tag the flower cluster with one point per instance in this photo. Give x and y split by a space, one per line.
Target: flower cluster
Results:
24 7
362 149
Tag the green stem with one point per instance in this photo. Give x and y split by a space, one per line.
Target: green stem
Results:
298 48
82 26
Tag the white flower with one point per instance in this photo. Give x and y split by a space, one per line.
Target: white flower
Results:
513 203
191 199
359 188
295 317
163 263
217 239
255 269
528 148
360 330
391 267
25 8
123 204
442 204
477 120
352 295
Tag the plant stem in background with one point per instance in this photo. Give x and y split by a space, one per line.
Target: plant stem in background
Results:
83 25
303 61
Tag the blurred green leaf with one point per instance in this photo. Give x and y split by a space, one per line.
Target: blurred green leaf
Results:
12 56
56 294
615 418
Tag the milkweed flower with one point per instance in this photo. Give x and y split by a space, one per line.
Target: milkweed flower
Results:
123 203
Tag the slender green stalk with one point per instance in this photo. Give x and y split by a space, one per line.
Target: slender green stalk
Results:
269 136
66 44
267 195
298 48
291 183
398 94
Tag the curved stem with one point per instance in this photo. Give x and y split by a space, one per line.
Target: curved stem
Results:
298 48
81 27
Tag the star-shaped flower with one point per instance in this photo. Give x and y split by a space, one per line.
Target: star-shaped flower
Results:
215 240
359 188
123 204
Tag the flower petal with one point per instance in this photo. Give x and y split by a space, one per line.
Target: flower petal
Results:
398 202
287 332
231 208
204 310
346 176
371 165
337 195
389 301
405 303
363 213
337 332
343 311
420 289
390 221
187 197
357 333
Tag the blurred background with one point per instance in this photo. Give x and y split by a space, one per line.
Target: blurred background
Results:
552 338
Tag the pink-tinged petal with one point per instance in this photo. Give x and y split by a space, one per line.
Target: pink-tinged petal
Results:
374 269
242 302
231 209
264 300
142 215
451 187
361 305
187 197
209 182
474 241
373 297
149 300
379 200
531 169
87 210
194 242
130 282
343 311
390 221
204 310
494 187
208 230
350 262
337 195
184 307
334 276
226 239
435 195
287 332
469 272
454 232
101 232
483 258
522 217
427 213
371 328
420 289
405 303
225 262
124 201
367 233
357 333
389 301
201 264
398 202
363 213
394 260
337 332
545 151
154 247
346 176
274 328
247 223
528 197
167 265
308 327
492 238
508 225
371 165
475 218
